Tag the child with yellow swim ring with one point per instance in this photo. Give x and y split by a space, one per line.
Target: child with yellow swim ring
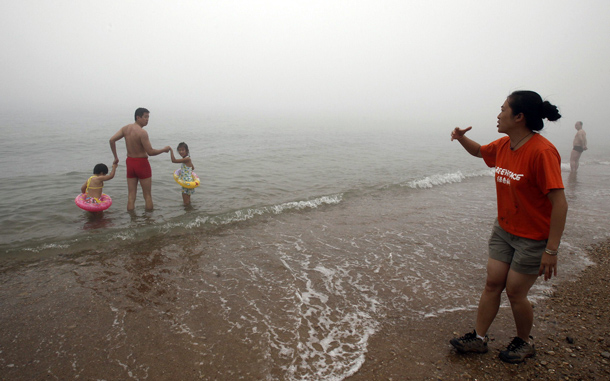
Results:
186 170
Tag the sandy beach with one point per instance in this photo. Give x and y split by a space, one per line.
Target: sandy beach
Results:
38 333
571 333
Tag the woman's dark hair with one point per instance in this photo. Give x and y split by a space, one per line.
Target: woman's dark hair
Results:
100 168
533 108
186 147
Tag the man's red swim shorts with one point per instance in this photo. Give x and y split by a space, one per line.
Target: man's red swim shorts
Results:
138 168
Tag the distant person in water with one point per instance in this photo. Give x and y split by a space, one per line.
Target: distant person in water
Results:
531 216
95 184
579 145
186 170
138 149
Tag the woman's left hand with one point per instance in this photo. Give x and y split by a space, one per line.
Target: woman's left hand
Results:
548 266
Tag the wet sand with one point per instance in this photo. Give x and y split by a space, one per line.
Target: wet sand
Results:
53 326
571 333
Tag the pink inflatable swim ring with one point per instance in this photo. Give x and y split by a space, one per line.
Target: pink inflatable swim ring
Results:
91 205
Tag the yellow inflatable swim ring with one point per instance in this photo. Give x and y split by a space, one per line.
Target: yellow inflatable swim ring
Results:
187 184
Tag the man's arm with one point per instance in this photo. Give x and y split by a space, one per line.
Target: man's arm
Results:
118 136
148 146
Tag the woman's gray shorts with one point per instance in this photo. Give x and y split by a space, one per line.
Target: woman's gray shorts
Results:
523 254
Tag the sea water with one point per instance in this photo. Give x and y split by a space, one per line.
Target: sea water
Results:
302 238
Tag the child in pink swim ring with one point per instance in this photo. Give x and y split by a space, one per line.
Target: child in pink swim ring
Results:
92 188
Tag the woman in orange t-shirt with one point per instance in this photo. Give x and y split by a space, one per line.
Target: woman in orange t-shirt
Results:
532 211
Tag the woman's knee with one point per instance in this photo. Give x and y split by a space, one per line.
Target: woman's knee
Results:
495 284
517 288
515 295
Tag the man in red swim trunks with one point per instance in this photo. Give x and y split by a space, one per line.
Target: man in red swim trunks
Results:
138 149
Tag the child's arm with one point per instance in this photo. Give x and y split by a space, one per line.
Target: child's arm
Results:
83 189
185 160
109 176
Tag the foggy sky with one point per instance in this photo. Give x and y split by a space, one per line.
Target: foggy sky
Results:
437 62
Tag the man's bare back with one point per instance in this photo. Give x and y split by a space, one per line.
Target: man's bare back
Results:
134 137
137 142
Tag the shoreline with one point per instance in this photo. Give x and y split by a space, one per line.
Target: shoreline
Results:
571 334
57 318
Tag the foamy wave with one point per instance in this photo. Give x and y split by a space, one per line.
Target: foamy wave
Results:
442 311
46 246
124 235
447 178
331 342
247 214
298 205
198 222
